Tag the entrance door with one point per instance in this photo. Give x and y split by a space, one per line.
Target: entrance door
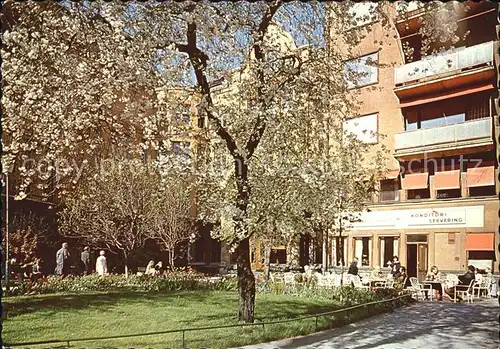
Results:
422 261
417 260
412 260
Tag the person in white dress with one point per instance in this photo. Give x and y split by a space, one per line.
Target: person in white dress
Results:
101 265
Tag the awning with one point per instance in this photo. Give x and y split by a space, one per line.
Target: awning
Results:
447 180
446 96
392 174
480 242
415 181
481 176
279 247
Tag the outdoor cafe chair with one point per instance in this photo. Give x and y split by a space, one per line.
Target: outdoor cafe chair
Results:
420 291
356 281
482 285
289 279
465 294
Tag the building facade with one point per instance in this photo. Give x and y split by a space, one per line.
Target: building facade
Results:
437 204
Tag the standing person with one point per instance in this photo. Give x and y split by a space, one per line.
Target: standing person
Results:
101 264
395 267
353 268
150 268
85 258
62 260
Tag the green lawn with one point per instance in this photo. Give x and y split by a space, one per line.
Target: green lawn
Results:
61 316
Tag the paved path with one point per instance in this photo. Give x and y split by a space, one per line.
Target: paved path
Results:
425 325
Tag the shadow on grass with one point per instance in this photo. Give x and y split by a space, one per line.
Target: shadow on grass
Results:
267 308
57 302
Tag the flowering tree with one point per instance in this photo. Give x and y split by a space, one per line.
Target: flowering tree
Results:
117 209
175 222
81 77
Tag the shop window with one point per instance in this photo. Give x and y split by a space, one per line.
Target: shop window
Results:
482 191
278 256
482 255
389 190
448 194
417 194
389 247
362 250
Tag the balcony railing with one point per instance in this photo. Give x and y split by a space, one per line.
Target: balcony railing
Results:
449 135
445 62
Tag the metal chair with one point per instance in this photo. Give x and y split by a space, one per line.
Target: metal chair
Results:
420 291
484 284
465 294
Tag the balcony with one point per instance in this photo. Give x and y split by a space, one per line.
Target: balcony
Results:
463 58
468 134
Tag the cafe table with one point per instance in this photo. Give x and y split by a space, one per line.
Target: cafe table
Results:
435 285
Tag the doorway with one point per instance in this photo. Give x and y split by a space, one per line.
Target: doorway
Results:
417 256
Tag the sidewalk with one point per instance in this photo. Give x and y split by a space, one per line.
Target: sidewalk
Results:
426 325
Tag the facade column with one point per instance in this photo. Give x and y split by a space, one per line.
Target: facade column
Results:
431 249
375 251
402 250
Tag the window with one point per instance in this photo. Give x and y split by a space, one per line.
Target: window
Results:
416 238
417 194
362 250
181 148
186 118
278 256
361 71
389 190
389 247
363 127
451 238
363 13
482 191
448 194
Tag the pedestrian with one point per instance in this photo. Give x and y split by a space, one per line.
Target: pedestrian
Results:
85 258
62 260
101 264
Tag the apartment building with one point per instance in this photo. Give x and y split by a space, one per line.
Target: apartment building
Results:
438 204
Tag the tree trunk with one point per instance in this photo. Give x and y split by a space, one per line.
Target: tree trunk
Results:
125 260
171 255
246 283
267 261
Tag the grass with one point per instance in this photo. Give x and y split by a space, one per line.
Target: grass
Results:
71 316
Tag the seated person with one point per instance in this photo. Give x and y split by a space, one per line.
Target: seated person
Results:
159 268
464 282
435 275
402 280
353 268
376 273
36 271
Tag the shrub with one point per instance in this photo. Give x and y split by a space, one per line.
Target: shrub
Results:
180 280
